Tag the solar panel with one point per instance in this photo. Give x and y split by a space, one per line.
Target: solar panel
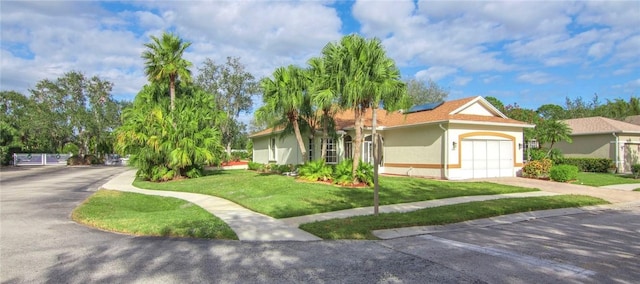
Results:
425 107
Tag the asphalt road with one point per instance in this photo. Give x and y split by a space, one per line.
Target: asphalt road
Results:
40 244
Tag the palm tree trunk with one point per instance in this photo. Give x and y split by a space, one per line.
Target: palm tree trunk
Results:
296 130
376 160
357 147
172 91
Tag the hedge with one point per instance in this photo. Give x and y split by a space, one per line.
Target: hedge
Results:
595 165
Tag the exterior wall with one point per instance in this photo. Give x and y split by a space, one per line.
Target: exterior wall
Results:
588 146
477 109
414 151
604 146
287 150
261 149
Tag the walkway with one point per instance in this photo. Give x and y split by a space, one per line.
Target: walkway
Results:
253 226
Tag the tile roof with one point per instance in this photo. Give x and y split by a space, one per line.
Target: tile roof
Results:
598 124
634 119
445 112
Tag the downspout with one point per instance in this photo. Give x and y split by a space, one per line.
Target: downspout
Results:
616 152
446 151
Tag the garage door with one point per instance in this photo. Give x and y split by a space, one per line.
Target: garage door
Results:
487 158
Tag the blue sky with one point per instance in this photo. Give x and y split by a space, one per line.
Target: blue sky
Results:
529 53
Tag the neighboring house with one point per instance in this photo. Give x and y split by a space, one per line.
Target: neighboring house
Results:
600 137
459 139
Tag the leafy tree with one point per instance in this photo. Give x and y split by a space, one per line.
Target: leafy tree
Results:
551 111
425 91
284 97
73 109
14 108
163 61
233 87
496 103
552 131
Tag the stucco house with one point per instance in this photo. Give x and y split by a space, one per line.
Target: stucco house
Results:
458 139
601 137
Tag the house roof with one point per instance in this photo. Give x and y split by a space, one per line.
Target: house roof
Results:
598 124
451 111
634 119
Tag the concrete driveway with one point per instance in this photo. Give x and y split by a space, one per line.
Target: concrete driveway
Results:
39 244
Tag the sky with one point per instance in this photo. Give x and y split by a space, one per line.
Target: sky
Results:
528 53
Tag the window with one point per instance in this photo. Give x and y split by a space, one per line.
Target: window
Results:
331 156
272 149
310 149
348 150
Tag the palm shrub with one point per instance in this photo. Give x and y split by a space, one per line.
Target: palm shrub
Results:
342 173
365 173
315 170
165 145
563 173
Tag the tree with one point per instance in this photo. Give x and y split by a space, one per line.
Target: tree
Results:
283 97
496 103
14 110
233 88
164 146
359 72
163 61
551 111
425 91
324 98
552 131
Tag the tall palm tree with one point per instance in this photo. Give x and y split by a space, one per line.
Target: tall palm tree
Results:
364 77
324 98
163 60
284 96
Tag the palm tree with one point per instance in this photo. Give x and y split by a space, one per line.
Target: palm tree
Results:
324 98
163 60
284 96
552 131
364 77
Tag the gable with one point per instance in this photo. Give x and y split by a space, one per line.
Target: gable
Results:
476 109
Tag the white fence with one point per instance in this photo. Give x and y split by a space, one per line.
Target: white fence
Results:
40 159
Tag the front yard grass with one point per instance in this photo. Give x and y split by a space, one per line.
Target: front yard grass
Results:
281 196
602 179
139 214
361 227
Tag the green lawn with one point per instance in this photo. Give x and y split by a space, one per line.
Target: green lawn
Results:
281 196
360 227
602 179
140 214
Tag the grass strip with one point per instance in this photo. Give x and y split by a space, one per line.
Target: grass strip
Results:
145 215
602 179
282 197
360 227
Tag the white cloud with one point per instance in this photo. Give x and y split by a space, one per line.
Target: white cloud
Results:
536 78
435 73
462 81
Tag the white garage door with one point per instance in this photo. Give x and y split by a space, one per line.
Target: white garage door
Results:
487 158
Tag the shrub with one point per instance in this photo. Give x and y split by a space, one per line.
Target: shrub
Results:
536 154
342 172
563 173
255 166
537 169
595 165
635 169
365 173
282 168
315 171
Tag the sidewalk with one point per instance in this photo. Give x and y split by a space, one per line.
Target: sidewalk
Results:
253 226
247 224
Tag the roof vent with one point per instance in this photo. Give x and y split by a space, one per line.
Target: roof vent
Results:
425 107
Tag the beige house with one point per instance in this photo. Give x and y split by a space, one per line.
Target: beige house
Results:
459 139
600 137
